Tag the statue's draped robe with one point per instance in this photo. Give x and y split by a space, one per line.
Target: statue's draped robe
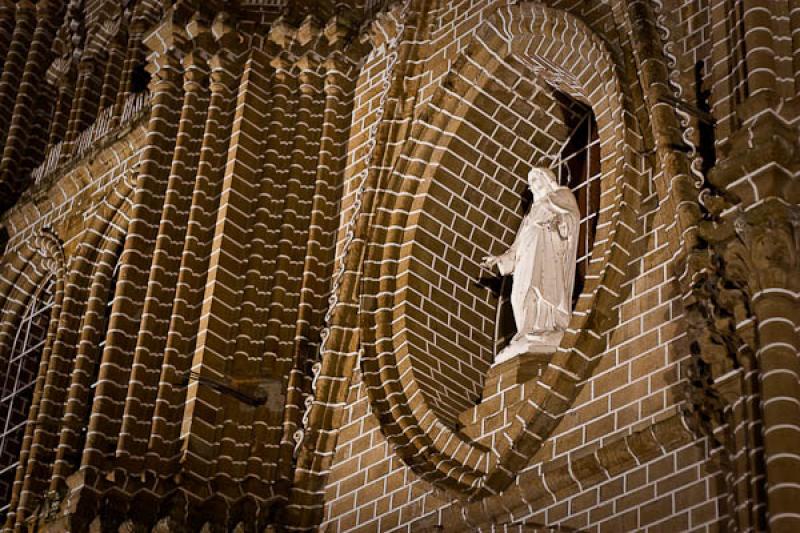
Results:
543 263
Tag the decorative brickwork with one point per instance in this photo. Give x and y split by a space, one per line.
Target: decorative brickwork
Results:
240 285
34 275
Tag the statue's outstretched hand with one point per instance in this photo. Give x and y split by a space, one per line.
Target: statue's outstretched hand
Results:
489 262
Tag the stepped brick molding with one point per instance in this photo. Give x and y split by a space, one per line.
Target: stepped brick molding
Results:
239 265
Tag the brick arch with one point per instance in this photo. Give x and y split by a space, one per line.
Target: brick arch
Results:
24 270
81 297
588 72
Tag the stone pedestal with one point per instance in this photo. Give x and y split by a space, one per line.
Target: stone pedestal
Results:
515 371
502 391
531 344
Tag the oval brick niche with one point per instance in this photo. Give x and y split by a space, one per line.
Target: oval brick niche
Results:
427 322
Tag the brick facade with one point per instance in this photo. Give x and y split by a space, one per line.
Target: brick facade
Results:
256 229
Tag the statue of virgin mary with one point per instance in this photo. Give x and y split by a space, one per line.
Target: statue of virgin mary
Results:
542 262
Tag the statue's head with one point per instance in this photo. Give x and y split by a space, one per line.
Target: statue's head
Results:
542 181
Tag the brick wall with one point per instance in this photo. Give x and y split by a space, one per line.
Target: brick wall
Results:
372 490
268 308
639 381
67 200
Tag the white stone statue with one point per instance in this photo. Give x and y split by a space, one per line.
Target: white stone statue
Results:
542 261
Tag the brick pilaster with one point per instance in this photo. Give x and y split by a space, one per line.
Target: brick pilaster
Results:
24 117
115 63
200 424
134 55
166 89
84 104
15 62
318 264
7 15
65 93
158 370
261 258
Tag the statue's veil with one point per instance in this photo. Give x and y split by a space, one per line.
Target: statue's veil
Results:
547 177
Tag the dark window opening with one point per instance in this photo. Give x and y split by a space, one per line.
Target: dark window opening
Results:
3 240
579 169
140 79
706 150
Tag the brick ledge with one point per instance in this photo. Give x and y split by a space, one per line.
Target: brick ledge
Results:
566 476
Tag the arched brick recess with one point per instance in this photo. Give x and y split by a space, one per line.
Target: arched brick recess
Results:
533 35
475 161
75 337
25 270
